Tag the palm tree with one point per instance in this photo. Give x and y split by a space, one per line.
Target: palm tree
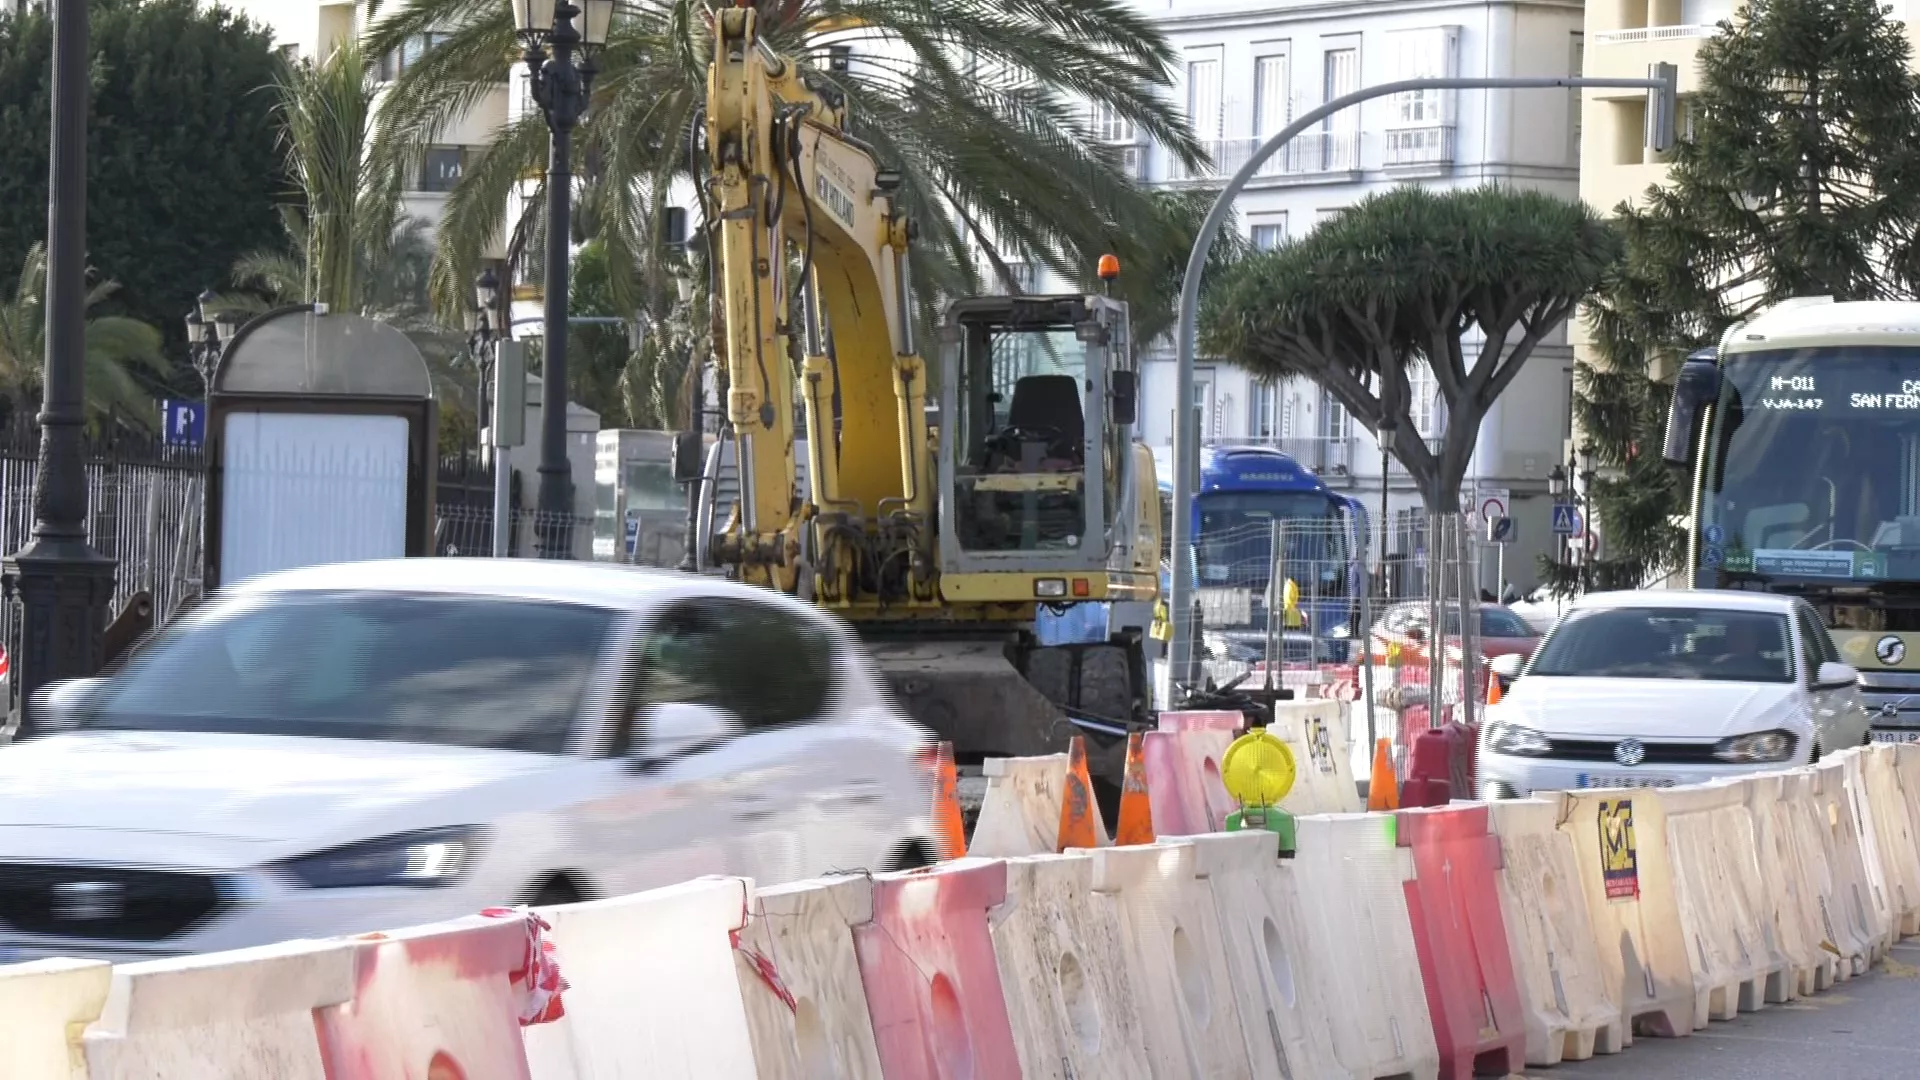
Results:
118 349
979 105
345 227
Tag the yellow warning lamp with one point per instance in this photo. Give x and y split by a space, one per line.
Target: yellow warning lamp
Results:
1258 770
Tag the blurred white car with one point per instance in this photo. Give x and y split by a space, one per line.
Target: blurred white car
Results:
1654 688
369 745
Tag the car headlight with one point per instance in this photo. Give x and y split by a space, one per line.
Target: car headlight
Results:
1504 738
419 860
1758 747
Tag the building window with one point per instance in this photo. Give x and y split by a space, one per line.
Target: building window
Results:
1262 412
1205 106
1335 424
1340 132
1427 53
410 52
1269 232
1111 127
290 52
1423 392
443 166
1576 66
675 228
1272 94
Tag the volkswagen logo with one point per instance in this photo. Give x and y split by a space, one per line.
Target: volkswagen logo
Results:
1629 752
1890 649
88 901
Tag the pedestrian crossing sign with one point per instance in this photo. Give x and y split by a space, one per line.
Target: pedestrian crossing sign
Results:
1566 520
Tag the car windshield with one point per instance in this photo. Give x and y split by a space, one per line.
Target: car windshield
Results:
1668 643
452 670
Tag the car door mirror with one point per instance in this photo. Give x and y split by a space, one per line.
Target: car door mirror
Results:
1507 666
59 706
679 729
1834 675
688 457
1125 389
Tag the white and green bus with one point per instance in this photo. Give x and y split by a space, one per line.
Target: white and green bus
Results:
1803 433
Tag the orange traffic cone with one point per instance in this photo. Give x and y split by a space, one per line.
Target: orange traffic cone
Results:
1136 811
1494 693
1383 791
1077 809
946 805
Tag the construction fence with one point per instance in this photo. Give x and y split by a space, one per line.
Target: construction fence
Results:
1302 604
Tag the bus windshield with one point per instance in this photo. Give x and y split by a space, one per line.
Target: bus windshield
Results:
1233 539
1813 467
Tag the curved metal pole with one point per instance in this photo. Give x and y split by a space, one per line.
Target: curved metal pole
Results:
1186 447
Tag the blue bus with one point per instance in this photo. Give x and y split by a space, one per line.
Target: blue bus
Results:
1242 494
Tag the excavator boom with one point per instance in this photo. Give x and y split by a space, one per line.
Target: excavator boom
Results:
944 543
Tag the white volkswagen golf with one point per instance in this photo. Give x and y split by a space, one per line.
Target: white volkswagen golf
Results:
368 745
1655 688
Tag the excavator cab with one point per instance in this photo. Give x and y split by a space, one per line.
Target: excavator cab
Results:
1034 446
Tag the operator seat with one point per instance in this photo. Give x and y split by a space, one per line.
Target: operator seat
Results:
1050 402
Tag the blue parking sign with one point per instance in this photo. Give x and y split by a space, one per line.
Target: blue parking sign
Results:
183 423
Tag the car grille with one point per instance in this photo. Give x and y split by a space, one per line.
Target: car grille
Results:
1658 753
104 902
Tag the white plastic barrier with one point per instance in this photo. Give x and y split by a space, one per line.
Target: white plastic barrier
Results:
1854 863
1283 1017
1175 960
1351 880
1714 855
1831 897
652 989
43 1007
1620 841
1790 902
226 1016
1064 974
1570 1009
1873 780
799 978
1020 813
1318 733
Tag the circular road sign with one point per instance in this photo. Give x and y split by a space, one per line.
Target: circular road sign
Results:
1492 507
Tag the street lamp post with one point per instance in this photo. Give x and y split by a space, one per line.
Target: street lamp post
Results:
486 299
1587 546
696 414
562 82
64 585
208 334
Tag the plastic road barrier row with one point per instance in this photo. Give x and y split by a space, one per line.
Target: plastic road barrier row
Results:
1421 943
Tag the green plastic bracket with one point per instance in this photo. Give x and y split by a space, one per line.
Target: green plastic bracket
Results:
1271 818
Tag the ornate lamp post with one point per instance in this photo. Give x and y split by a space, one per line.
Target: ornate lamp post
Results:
64 585
562 82
480 334
207 336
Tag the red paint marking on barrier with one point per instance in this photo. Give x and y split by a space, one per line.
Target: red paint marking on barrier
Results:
443 1067
764 968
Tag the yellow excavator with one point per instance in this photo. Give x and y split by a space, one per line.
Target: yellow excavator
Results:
939 509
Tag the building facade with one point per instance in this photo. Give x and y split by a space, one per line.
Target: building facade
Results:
303 29
1246 68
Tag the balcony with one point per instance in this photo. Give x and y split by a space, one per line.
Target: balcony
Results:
1313 154
1430 146
1642 34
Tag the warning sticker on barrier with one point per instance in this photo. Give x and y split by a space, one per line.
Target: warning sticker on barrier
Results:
1320 746
1619 859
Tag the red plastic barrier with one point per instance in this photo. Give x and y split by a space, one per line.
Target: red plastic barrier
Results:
444 1002
1462 941
1183 779
1202 720
932 983
1440 766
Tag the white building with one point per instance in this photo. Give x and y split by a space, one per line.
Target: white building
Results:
1247 67
303 29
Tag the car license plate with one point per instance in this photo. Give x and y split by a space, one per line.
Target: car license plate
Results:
1606 780
1896 736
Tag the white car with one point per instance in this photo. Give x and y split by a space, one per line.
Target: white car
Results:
367 745
1654 688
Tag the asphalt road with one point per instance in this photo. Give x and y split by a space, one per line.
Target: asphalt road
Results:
1866 1029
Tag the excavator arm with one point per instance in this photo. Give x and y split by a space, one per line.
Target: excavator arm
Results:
795 194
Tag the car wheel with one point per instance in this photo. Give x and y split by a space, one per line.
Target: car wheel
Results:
911 855
559 889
